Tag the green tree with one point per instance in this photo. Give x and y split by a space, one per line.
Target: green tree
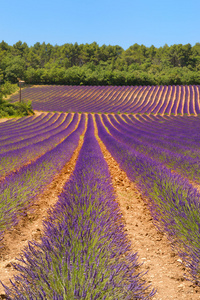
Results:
15 68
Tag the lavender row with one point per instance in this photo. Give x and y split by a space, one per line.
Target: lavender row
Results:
108 99
24 132
13 160
183 158
32 125
20 188
178 134
22 122
173 128
174 203
11 123
173 135
39 136
184 164
168 125
84 253
28 131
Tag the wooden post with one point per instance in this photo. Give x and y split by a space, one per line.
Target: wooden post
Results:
20 92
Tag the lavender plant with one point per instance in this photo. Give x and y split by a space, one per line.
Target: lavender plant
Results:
174 202
20 188
18 131
182 163
31 138
130 99
84 253
15 159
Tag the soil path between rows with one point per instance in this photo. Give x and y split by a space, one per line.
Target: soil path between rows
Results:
165 271
30 227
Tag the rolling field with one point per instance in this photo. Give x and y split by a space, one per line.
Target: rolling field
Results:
85 251
176 100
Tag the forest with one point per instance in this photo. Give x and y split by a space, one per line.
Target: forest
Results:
91 64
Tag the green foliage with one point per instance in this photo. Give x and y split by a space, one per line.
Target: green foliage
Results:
8 88
8 109
91 64
18 109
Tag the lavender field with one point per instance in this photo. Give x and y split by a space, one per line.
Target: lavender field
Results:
168 100
84 253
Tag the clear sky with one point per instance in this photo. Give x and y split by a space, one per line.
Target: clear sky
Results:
109 22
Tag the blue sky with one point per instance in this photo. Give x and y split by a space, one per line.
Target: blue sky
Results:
109 22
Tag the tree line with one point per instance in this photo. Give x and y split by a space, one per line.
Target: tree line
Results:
91 64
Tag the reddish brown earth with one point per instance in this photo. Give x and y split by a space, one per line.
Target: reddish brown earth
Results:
31 226
165 271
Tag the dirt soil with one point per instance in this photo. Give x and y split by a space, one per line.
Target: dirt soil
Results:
165 270
4 120
31 226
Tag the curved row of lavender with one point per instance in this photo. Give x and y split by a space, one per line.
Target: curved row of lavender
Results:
14 159
84 253
176 134
112 99
10 124
174 203
181 155
180 134
10 136
31 135
19 189
28 124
